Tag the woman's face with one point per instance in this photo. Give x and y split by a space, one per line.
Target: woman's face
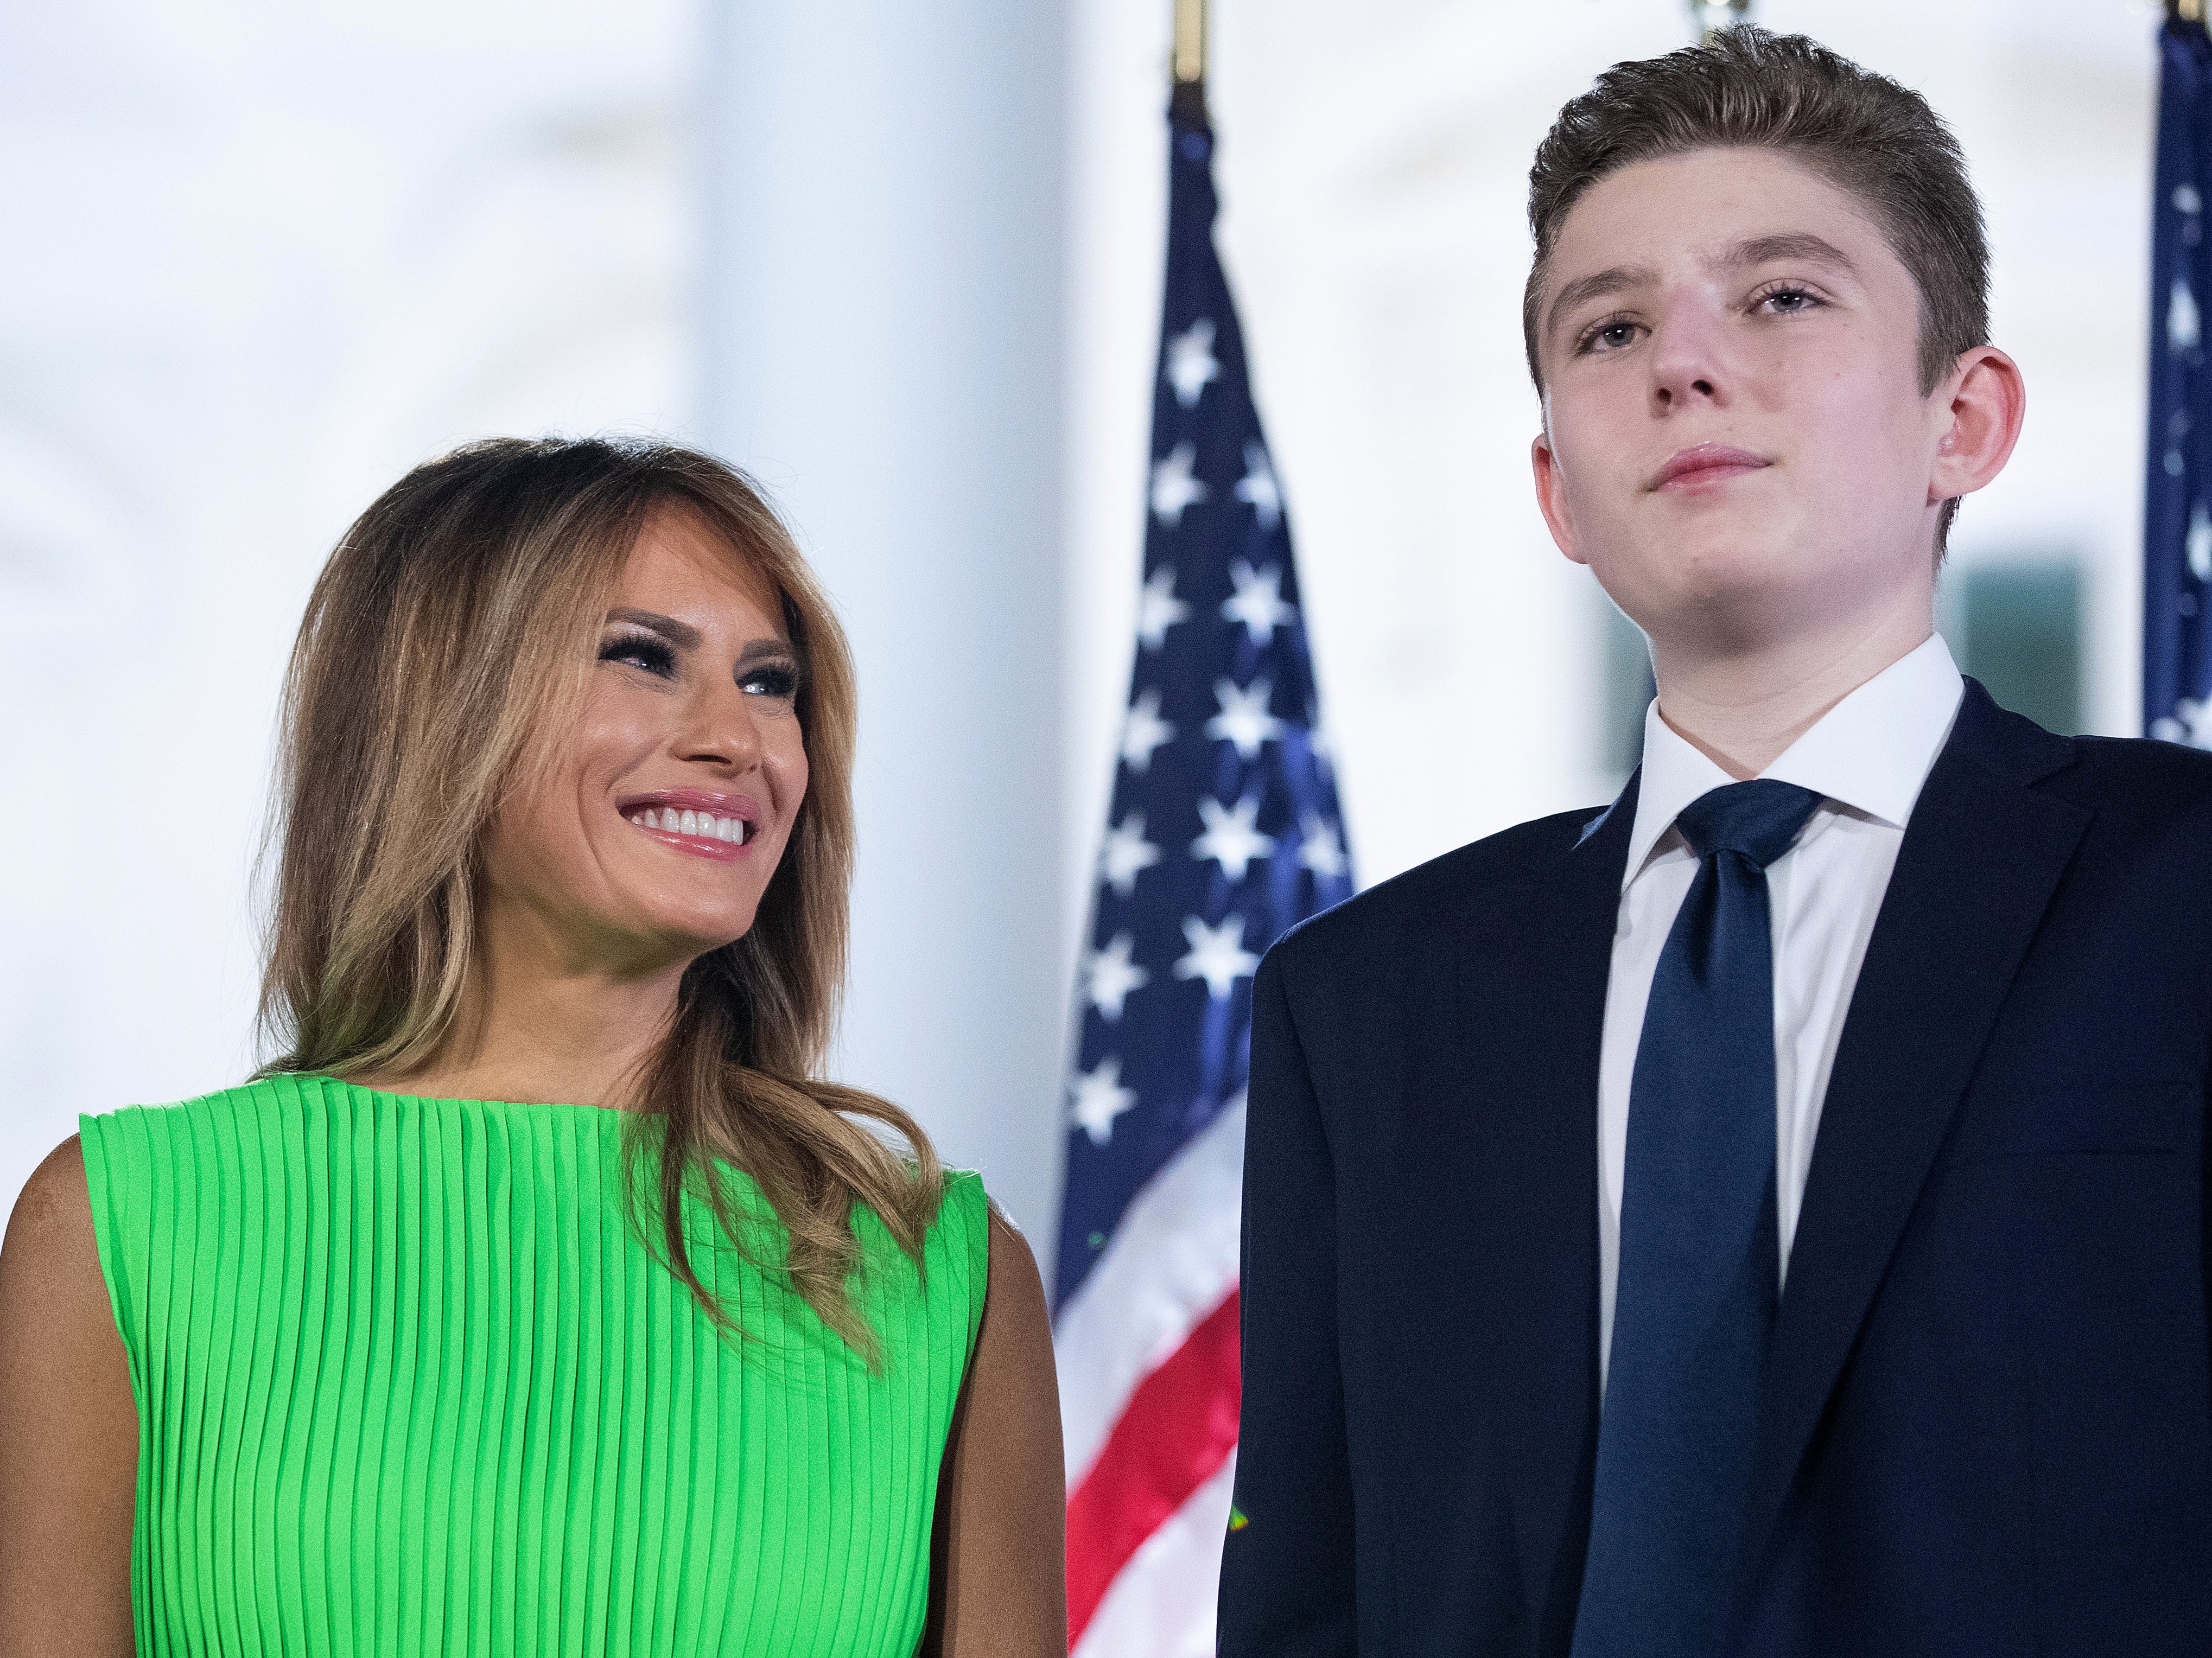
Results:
650 837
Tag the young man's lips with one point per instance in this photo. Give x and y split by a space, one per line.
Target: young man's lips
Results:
1706 462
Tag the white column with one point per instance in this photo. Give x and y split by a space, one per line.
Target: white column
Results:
880 312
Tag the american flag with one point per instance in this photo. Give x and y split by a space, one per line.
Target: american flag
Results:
1223 832
2178 498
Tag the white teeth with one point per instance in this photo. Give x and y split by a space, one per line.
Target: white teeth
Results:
704 825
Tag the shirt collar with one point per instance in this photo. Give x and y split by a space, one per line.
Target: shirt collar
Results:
1872 751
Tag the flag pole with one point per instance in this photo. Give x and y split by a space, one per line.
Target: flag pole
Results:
1186 67
1710 17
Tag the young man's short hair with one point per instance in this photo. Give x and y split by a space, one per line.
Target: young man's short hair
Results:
1863 132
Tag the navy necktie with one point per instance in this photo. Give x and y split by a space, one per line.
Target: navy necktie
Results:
1699 1262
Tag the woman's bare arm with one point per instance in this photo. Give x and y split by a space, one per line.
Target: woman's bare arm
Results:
68 1430
998 1563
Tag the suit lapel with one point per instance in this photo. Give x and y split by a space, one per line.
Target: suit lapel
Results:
1979 862
1531 1005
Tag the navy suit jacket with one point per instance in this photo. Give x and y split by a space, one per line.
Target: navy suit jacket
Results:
1989 1422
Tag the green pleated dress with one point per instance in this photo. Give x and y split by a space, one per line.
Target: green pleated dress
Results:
408 1383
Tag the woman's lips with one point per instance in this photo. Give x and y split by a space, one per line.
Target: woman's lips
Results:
697 821
1705 463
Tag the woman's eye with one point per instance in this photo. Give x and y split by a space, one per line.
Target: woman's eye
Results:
650 654
778 681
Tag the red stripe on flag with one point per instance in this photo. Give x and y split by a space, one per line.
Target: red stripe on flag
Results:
1178 1428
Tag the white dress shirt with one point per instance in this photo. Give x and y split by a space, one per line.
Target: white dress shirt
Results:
1867 758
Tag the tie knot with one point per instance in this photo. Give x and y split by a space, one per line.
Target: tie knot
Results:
1758 819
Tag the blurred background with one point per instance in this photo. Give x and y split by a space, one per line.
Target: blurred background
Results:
903 263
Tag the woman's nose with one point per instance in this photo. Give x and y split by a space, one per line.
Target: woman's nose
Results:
721 729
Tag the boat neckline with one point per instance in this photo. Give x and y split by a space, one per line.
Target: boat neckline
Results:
615 1112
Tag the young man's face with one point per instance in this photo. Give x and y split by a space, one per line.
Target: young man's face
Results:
1734 439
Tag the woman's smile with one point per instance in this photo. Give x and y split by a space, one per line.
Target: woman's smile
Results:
701 822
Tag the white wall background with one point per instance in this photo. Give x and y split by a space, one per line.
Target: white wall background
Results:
905 263
258 260
881 303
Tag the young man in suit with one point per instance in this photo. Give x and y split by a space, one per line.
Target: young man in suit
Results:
1766 1217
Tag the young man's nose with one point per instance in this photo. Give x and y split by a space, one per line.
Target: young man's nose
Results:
1687 366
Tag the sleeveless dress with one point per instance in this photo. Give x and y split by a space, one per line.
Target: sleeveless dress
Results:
409 1383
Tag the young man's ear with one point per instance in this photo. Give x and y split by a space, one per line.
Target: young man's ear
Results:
1551 496
1979 423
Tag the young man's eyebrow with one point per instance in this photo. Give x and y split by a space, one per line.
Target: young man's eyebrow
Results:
682 635
1793 244
1596 286
1757 250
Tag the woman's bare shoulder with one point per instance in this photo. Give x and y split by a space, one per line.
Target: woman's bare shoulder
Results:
50 1246
56 1325
1000 1581
69 1427
55 1207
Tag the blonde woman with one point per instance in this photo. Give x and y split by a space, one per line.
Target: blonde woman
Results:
541 1299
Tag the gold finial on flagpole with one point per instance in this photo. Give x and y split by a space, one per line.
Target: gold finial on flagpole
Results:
2185 11
1187 66
1190 39
1710 17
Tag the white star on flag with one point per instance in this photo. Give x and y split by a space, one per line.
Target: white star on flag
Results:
2183 328
1100 1099
1258 487
1158 608
1217 955
1321 851
2190 722
1191 365
1173 487
1230 839
1258 602
1144 731
1317 741
1126 854
1112 975
1243 720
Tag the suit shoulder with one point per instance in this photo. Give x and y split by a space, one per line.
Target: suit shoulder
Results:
2146 798
1409 905
2128 764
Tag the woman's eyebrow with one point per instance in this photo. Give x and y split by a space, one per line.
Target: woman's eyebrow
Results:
682 635
756 648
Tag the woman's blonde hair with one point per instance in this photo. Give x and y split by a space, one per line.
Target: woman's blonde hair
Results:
444 652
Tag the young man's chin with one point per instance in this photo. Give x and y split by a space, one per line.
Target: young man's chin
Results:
1693 577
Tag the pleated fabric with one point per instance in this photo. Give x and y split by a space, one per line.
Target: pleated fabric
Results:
409 1383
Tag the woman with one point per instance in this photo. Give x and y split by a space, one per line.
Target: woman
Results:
380 1355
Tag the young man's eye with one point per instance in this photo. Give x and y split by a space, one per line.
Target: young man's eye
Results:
1788 302
1610 336
640 651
